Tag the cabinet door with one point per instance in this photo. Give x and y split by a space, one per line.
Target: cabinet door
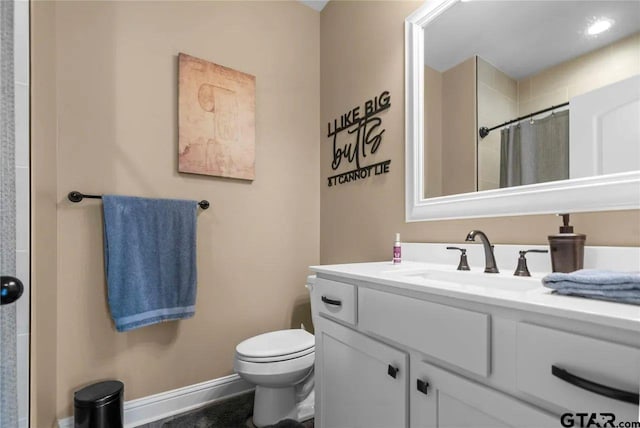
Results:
361 382
451 401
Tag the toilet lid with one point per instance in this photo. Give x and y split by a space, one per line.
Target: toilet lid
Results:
276 343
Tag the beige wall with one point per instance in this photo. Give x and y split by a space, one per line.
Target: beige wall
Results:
432 132
459 128
44 216
116 112
358 219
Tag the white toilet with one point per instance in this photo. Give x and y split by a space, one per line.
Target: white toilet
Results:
280 364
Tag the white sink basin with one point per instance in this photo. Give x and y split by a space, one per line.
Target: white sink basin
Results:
498 281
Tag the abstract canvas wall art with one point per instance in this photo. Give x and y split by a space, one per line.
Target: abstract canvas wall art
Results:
216 119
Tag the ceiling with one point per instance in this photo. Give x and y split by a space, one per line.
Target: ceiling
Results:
315 4
523 37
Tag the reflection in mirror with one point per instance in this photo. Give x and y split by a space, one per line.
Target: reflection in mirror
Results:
513 91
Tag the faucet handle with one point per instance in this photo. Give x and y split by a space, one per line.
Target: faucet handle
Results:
463 265
522 269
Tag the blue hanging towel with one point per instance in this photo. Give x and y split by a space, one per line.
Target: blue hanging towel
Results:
150 259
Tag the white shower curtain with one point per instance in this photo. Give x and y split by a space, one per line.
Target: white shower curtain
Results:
8 392
535 152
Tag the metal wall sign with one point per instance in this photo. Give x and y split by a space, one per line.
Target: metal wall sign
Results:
362 138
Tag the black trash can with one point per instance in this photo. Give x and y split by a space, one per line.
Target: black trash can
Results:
99 405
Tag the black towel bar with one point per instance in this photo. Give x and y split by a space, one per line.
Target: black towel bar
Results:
76 196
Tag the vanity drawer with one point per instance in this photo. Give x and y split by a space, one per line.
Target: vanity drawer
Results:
453 335
609 364
335 300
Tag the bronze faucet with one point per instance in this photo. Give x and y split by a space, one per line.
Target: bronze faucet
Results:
490 260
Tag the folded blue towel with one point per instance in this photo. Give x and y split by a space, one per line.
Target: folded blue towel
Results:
631 296
594 279
150 259
597 284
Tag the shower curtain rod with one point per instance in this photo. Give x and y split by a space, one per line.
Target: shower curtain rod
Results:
76 196
484 131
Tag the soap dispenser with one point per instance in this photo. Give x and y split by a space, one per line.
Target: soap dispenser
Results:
567 248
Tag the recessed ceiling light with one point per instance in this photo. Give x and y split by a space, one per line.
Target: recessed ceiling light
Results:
599 26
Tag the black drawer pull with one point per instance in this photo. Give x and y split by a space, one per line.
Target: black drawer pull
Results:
333 302
422 385
596 388
392 371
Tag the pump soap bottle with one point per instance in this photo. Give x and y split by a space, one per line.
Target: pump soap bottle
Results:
567 248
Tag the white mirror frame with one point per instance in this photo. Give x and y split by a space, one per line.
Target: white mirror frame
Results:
598 193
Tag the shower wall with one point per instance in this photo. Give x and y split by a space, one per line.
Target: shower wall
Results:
497 103
557 85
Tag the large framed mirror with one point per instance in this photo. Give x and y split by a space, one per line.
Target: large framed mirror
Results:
521 107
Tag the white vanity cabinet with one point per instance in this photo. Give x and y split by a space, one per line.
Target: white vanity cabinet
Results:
390 358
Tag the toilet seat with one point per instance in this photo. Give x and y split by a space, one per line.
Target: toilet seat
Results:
276 358
286 369
276 346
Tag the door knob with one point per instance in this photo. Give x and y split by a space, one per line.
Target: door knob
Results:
10 289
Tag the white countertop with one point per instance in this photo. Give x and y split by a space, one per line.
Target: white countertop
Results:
537 299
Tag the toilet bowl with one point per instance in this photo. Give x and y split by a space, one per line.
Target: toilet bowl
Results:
280 364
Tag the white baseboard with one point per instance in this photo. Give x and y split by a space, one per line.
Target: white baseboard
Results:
154 407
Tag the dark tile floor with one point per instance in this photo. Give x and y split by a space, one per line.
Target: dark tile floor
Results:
234 412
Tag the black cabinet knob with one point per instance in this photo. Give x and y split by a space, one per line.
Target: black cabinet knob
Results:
10 289
392 371
422 386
